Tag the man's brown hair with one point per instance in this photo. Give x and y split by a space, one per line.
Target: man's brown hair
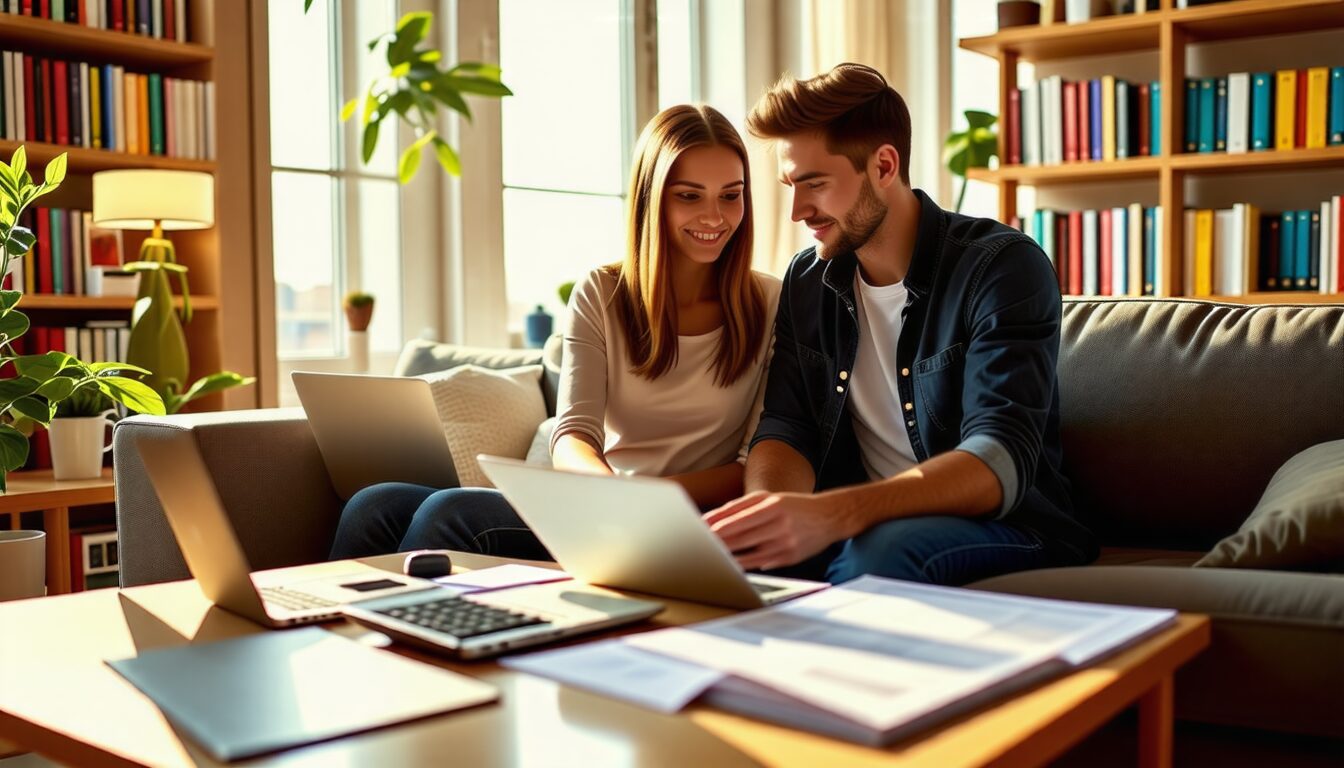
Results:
851 106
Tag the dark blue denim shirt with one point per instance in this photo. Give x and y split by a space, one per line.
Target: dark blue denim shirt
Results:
977 353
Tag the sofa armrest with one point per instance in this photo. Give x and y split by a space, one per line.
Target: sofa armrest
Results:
268 473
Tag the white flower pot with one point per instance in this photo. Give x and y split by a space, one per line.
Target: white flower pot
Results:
23 564
78 445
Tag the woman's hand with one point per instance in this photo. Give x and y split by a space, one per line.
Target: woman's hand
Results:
575 452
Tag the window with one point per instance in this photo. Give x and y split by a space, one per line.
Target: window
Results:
335 222
975 85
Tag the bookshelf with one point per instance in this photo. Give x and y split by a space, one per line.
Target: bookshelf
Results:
1167 32
199 250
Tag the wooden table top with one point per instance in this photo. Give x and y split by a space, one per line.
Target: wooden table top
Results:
37 489
58 697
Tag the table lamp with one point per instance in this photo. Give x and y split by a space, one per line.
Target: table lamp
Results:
155 200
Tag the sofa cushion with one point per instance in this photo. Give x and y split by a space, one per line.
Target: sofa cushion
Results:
1174 414
420 356
1275 659
1299 522
487 411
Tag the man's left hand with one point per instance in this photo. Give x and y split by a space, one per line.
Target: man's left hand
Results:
772 530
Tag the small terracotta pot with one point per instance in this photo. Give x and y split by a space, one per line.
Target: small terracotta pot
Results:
1018 13
359 317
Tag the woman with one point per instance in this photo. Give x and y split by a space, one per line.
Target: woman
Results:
664 358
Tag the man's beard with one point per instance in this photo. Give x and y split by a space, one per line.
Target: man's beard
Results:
858 224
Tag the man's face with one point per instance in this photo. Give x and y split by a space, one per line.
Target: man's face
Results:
836 202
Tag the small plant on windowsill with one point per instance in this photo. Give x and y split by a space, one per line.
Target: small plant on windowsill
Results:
358 310
34 387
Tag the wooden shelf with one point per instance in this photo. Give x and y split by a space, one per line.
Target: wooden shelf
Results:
1205 163
1142 32
54 38
35 301
1283 297
1072 173
82 160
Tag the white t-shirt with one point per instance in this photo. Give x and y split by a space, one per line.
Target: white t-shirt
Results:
874 403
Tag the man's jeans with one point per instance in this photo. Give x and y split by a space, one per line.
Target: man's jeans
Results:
398 517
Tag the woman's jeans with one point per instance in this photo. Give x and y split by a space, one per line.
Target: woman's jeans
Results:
399 517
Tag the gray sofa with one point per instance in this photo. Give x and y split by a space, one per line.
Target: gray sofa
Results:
1175 415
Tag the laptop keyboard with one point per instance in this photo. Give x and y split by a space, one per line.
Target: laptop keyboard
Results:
461 618
766 589
294 600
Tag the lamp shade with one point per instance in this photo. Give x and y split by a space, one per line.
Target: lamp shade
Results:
136 199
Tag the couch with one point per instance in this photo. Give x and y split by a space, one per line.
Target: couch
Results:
1175 414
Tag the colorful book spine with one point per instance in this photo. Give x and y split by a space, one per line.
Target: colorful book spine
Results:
1091 254
1069 97
1012 135
1301 249
1084 120
1285 109
96 107
1094 119
1337 105
1314 251
1108 117
1270 243
155 87
1145 147
1105 257
1155 117
1300 120
59 242
1191 115
1262 111
1203 285
1287 249
1238 112
1318 88
1075 241
1150 251
1123 147
1207 114
1220 115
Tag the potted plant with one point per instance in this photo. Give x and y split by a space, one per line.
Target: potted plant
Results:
971 148
358 310
34 386
78 433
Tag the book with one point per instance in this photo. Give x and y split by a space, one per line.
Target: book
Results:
1155 117
1203 285
1262 111
808 664
1069 99
1318 86
1075 241
1135 259
129 107
1191 115
1287 249
1105 256
1094 119
59 90
1188 253
1122 120
155 89
1300 120
142 113
1143 123
96 107
1120 252
1325 254
1285 108
1108 117
1336 128
1031 126
1313 251
1269 252
1207 114
1220 114
85 117
1302 249
1238 112
1149 252
1084 88
1229 277
1012 127
1337 239
1091 253
1250 240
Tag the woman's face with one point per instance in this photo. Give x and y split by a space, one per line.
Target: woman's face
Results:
702 202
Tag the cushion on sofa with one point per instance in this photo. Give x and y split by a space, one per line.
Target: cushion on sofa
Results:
487 411
421 356
1299 522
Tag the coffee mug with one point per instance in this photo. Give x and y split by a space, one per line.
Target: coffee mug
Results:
78 445
23 564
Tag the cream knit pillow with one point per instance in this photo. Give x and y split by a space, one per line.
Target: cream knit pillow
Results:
487 411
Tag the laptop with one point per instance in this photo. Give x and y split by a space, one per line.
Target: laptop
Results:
413 610
376 429
210 546
640 534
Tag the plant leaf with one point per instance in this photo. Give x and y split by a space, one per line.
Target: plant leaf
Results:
55 173
57 389
44 366
133 394
447 157
370 140
215 382
306 5
21 240
13 325
409 164
978 119
348 110
13 389
19 164
9 299
411 29
13 448
477 69
449 97
34 409
483 86
98 369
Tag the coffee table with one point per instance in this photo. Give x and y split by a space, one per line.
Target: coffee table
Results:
58 698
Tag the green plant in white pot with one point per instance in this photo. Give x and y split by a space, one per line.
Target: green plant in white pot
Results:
33 386
79 433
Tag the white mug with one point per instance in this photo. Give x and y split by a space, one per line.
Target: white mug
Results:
23 564
78 445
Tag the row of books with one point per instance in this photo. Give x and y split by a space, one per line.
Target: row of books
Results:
1234 251
1062 121
68 247
163 19
1107 252
105 107
1260 111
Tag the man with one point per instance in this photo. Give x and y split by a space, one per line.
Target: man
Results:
911 419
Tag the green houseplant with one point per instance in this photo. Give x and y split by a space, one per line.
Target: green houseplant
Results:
33 387
414 87
971 148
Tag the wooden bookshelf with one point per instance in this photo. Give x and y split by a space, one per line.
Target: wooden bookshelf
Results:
200 250
1168 33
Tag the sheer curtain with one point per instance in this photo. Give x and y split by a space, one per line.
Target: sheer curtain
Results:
905 40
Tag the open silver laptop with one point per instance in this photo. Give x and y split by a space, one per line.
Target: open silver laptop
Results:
376 429
210 546
635 533
409 609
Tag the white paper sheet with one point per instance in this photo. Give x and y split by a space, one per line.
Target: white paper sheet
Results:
500 577
615 669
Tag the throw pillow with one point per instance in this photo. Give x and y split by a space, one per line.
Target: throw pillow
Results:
1299 522
487 411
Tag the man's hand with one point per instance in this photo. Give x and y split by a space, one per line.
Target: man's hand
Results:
772 530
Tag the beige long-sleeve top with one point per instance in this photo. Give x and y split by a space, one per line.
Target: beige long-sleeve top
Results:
679 422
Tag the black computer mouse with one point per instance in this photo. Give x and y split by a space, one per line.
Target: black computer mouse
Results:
427 564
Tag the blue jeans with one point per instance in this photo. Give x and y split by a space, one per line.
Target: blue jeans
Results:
400 517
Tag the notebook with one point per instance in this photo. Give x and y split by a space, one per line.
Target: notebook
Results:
275 690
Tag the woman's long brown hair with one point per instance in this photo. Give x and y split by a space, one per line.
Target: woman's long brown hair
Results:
643 298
